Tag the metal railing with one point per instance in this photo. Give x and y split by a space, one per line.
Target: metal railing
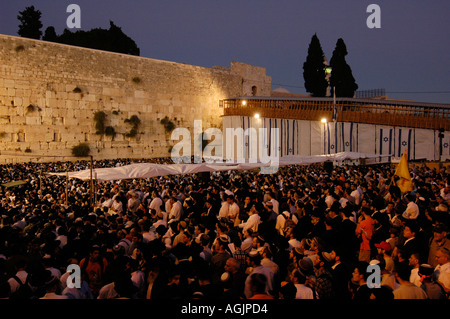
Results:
381 112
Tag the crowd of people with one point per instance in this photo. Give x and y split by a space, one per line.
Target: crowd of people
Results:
304 232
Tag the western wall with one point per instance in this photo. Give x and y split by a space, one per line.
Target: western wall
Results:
49 94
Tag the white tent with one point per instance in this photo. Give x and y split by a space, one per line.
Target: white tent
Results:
148 170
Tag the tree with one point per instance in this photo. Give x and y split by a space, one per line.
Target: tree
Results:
313 69
112 39
341 79
30 23
50 34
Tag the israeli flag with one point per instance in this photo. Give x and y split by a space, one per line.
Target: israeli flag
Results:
349 137
282 143
266 136
289 137
404 141
247 136
445 146
385 141
332 138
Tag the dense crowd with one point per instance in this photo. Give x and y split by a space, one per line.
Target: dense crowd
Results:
305 232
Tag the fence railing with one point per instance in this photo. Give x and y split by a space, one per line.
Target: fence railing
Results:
417 115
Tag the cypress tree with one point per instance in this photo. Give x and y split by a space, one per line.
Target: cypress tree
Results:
313 69
341 78
30 23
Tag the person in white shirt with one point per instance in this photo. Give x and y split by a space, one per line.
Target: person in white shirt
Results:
224 208
329 199
445 194
442 270
167 204
252 222
161 220
303 291
155 203
412 209
414 263
275 203
281 221
107 202
233 208
116 207
177 209
355 194
254 261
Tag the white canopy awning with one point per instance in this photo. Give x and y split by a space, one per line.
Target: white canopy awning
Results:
148 170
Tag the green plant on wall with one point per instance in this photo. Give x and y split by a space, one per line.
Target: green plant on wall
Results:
31 108
99 119
136 80
19 48
169 126
81 150
135 122
110 131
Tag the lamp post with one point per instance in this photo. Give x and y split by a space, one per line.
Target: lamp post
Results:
441 136
328 70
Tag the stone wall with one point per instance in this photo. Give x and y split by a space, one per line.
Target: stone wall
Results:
50 92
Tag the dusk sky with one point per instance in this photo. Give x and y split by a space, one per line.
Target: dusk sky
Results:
407 56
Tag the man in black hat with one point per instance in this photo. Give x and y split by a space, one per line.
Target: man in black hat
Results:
209 215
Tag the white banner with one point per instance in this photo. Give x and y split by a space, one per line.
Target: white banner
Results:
424 146
367 136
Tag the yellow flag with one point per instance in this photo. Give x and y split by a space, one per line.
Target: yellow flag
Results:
402 170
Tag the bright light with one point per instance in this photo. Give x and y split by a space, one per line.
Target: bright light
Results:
244 102
324 120
257 116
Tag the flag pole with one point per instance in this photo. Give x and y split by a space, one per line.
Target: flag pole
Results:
334 106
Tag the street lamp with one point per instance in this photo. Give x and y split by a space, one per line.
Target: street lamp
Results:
328 69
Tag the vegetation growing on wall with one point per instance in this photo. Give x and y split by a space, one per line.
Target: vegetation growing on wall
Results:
99 119
19 48
136 80
169 126
31 108
110 131
81 150
135 122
